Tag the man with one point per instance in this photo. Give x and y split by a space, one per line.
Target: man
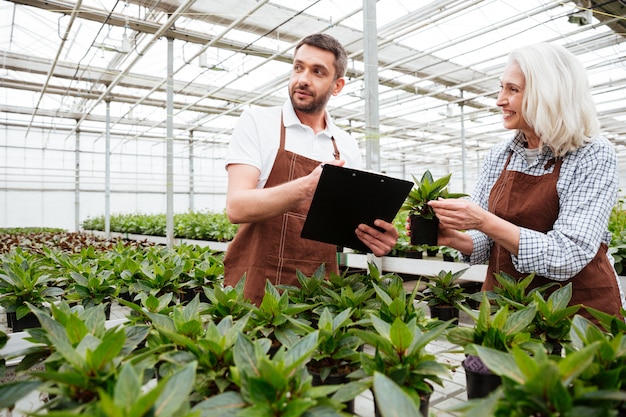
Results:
274 164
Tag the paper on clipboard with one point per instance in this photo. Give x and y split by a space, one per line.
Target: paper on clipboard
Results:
345 198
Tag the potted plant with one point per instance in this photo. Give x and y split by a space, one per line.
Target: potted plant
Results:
276 319
207 343
554 314
424 223
500 331
337 353
277 385
24 279
400 352
394 302
608 372
443 294
449 254
543 385
81 356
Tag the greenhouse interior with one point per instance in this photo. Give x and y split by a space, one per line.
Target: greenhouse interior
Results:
115 123
85 80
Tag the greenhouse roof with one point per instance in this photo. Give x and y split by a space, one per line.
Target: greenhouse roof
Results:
438 67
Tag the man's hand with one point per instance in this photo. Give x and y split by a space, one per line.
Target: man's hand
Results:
380 242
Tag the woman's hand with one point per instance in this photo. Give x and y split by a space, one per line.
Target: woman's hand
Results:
459 214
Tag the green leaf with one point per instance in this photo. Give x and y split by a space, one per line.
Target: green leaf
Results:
128 387
108 349
227 404
176 391
500 363
301 352
391 400
401 335
12 392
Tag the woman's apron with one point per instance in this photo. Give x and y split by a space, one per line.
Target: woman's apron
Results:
533 202
273 249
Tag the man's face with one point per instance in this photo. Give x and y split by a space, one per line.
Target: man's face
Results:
312 79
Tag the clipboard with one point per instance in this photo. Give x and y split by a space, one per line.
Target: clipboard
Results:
345 198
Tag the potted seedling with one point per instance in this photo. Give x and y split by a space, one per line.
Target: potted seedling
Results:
337 353
400 352
24 279
501 331
443 294
277 385
543 385
424 223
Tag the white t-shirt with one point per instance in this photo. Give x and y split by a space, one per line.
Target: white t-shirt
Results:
256 139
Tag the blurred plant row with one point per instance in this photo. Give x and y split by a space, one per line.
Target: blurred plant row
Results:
192 225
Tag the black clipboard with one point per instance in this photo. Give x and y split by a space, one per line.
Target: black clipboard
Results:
345 198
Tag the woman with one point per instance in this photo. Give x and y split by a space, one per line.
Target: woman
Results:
543 199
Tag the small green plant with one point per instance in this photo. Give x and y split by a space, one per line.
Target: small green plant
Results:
425 190
542 385
395 302
501 331
24 278
276 318
514 292
277 385
554 316
337 351
444 289
400 353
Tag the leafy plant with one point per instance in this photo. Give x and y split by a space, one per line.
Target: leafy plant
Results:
542 385
514 292
553 320
82 357
275 318
395 302
500 331
444 289
209 345
91 287
168 398
24 279
277 385
227 301
400 353
425 190
337 350
608 369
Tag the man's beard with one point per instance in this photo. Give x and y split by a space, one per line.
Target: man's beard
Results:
318 104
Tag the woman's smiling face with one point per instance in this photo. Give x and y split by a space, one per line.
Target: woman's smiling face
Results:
510 97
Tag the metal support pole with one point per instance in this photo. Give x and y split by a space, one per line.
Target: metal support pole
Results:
169 223
107 173
191 173
77 181
463 150
370 60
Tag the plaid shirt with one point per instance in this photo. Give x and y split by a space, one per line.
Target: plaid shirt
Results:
587 189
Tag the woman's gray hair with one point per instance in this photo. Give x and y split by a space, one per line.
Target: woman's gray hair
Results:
557 101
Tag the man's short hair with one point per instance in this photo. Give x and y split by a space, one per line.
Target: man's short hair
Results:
328 43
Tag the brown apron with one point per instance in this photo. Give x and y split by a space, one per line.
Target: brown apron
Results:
273 249
533 202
